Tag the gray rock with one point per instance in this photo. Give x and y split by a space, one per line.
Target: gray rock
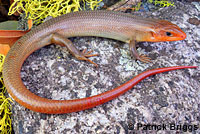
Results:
166 98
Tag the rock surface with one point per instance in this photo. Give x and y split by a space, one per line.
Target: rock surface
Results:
166 98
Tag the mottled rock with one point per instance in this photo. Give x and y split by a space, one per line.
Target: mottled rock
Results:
194 21
166 98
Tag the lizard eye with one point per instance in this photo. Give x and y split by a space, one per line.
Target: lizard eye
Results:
168 34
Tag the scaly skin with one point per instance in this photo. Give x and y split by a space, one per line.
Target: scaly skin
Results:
114 25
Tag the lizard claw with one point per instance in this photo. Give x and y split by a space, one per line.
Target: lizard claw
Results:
144 58
86 53
86 59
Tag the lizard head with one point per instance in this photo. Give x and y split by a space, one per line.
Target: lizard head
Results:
166 31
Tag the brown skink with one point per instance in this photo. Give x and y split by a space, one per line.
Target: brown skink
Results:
108 24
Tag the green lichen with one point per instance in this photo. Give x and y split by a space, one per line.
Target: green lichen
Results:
129 63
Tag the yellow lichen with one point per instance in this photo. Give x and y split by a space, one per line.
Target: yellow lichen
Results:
161 3
5 106
2 57
137 7
38 10
5 113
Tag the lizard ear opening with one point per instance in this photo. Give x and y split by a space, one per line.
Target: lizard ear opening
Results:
153 37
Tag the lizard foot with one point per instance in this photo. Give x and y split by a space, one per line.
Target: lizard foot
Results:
144 58
85 54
